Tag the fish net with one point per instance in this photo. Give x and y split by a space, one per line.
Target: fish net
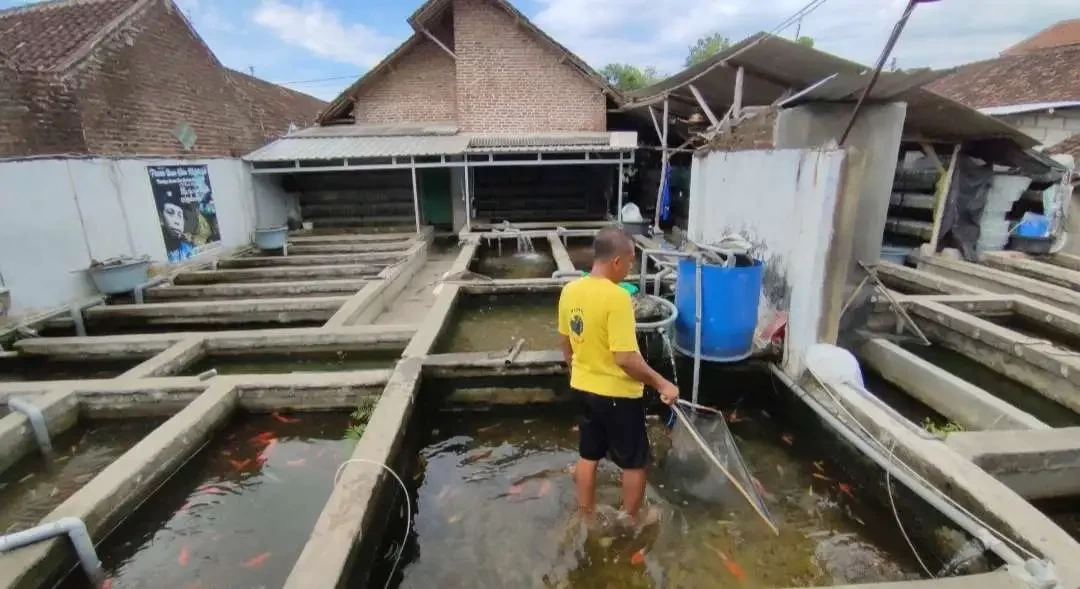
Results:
704 462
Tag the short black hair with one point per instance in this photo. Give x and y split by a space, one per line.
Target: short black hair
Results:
610 242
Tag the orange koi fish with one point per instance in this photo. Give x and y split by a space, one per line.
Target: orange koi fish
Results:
184 508
638 558
788 439
478 456
297 462
106 584
284 419
821 477
211 490
757 485
545 487
845 489
263 437
514 489
265 454
257 561
733 417
732 566
184 557
240 464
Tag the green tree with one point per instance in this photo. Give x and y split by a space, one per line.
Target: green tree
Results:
707 47
804 40
626 77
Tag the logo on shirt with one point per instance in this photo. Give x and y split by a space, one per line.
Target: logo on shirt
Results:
577 324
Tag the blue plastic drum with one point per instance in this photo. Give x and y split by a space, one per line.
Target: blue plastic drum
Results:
729 310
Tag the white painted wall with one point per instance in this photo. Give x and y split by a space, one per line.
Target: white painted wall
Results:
783 201
272 203
1049 128
59 214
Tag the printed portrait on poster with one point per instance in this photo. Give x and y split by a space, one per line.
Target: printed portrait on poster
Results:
185 206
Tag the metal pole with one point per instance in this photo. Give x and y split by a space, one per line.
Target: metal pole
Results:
415 199
468 198
618 211
663 168
697 329
877 69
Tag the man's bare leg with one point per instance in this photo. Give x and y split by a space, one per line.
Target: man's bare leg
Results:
585 482
633 490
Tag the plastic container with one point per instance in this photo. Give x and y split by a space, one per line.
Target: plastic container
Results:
1033 226
1005 190
895 254
729 311
271 239
120 275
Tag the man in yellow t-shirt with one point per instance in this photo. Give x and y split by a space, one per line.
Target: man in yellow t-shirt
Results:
599 343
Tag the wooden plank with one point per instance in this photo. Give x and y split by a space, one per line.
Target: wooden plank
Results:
942 196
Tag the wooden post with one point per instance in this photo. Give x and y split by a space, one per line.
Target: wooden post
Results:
942 197
663 168
655 124
736 105
618 211
705 107
415 198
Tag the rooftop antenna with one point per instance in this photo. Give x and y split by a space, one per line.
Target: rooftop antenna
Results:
251 69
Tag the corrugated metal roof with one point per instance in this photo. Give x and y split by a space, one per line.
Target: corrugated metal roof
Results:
330 148
316 144
1015 109
365 130
773 64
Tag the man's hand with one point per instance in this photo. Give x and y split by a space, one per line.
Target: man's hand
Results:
669 393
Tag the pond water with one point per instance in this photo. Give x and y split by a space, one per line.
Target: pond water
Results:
1008 390
511 263
1064 511
237 514
494 506
488 323
38 368
1062 340
906 405
33 487
285 363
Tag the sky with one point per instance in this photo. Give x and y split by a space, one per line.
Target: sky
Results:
321 46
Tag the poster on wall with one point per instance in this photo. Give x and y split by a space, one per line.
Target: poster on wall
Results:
185 206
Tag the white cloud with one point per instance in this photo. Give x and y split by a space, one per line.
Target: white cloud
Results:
314 27
658 32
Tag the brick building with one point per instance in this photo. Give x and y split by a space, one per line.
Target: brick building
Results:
120 77
487 112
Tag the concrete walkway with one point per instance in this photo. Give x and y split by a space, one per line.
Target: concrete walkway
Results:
419 294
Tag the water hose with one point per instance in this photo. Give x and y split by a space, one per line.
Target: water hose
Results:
75 530
408 508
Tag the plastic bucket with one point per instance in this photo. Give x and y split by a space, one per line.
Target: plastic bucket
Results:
729 310
1005 190
120 277
271 239
1035 226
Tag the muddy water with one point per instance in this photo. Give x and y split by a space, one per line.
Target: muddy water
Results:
37 368
513 264
33 487
496 508
294 362
1008 390
488 323
581 252
1064 511
237 514
1062 340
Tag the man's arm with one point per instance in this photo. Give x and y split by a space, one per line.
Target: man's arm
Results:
622 341
567 351
638 369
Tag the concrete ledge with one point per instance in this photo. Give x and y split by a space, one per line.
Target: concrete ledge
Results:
244 310
111 495
1039 464
171 360
248 290
367 304
349 248
559 253
309 260
350 515
465 257
434 323
1001 579
953 397
967 484
1001 282
494 364
922 282
1019 263
278 273
335 238
61 411
1070 261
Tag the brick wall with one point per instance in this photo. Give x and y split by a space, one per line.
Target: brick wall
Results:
1048 128
509 81
419 89
136 87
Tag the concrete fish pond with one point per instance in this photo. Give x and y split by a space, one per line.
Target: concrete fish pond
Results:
284 363
237 514
495 506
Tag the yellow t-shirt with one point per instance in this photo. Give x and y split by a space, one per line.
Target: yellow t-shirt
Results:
598 317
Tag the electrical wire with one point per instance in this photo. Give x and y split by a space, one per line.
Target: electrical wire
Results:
408 508
896 514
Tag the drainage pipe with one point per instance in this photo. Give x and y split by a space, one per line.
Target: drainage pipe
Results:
37 422
142 288
77 319
75 529
567 274
924 492
659 278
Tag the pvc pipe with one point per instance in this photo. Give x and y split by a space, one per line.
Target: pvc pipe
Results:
75 529
77 319
37 423
976 530
512 354
567 274
659 280
208 374
140 289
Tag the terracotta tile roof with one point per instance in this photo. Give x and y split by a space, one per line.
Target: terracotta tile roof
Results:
277 106
42 36
1066 32
1046 75
1070 146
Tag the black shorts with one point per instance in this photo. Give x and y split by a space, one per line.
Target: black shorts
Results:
613 426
